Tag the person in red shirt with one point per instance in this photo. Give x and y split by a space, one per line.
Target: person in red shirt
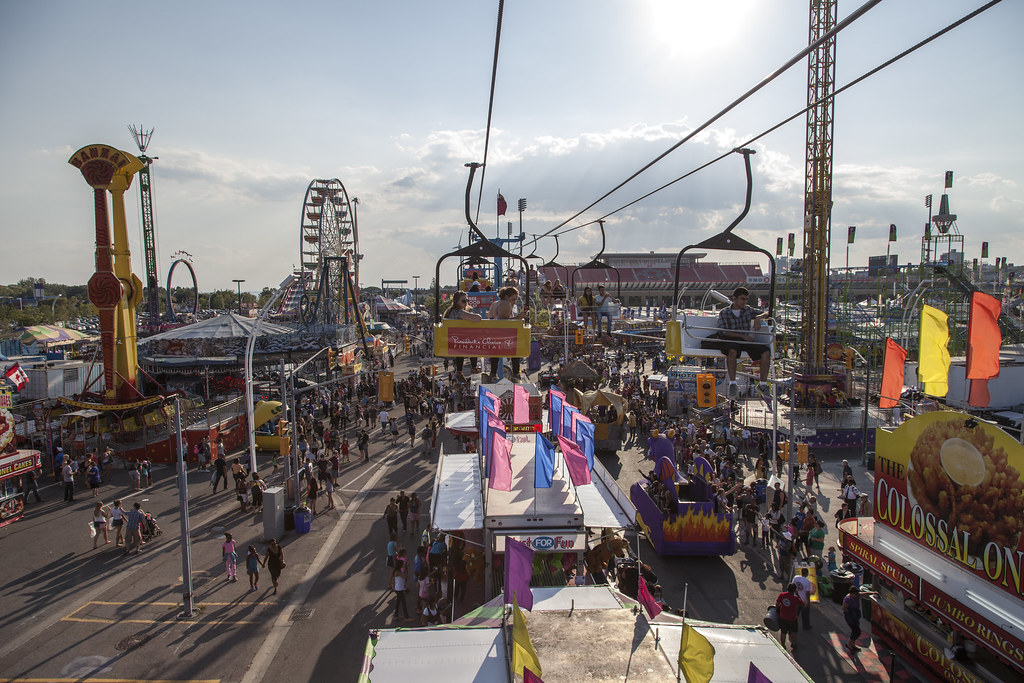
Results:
789 604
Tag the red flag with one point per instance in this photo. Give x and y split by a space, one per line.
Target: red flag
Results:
983 342
17 376
892 374
502 205
530 677
645 598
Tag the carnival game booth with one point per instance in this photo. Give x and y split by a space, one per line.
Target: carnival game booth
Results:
518 488
14 465
943 547
677 512
608 411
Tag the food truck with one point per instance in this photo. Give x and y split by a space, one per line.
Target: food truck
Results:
943 546
677 512
14 465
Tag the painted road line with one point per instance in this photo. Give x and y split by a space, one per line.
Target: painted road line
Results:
108 680
94 612
263 658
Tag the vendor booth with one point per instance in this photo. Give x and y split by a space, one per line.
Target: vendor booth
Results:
943 546
14 465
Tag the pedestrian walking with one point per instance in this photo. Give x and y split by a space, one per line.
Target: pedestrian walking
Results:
805 589
311 493
252 567
220 472
414 513
146 472
400 591
117 521
851 613
93 475
391 516
134 478
30 484
133 529
275 561
392 553
257 487
68 477
329 493
789 605
230 557
100 514
344 450
364 444
403 510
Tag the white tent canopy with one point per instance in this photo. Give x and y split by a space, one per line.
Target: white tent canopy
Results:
457 503
227 326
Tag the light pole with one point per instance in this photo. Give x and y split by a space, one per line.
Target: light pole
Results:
239 283
249 348
187 611
522 207
415 288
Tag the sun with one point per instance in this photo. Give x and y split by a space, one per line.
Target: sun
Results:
695 28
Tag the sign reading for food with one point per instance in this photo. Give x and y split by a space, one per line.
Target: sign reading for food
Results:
955 485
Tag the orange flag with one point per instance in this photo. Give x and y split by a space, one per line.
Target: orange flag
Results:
892 374
983 342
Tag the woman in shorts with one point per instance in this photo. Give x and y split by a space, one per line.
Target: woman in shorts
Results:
414 513
100 513
117 521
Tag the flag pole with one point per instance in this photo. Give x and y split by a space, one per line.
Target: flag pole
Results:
679 671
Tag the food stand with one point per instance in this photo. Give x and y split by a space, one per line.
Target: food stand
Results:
943 546
13 467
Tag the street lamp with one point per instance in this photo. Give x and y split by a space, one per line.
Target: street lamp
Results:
415 288
522 207
239 283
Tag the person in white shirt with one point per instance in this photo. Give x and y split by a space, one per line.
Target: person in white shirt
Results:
805 589
384 419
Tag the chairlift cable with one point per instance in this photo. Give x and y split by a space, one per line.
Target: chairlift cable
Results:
490 107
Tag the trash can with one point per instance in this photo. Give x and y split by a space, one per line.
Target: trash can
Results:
760 487
857 571
841 582
289 518
866 602
303 520
869 460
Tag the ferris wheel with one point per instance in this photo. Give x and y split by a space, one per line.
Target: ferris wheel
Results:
328 250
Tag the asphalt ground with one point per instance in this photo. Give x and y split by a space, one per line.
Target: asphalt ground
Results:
74 613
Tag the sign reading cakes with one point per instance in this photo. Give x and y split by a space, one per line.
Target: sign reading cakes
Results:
955 485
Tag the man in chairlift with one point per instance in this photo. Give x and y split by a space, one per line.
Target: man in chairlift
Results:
734 337
504 309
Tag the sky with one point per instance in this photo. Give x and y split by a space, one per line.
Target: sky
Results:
251 101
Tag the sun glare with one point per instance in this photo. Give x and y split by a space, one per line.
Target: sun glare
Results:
695 28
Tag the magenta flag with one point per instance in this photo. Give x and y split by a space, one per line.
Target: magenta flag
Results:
575 460
754 675
530 677
520 405
645 598
501 464
518 571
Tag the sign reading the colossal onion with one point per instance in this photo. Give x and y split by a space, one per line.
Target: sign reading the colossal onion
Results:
955 485
484 339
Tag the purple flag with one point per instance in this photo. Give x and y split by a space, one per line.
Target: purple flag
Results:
501 463
645 598
754 675
518 571
575 461
530 677
543 463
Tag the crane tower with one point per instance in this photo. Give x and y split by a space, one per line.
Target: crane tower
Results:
142 138
821 67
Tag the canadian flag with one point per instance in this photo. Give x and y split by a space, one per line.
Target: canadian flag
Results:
17 376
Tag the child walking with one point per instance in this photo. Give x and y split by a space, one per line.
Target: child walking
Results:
766 527
230 557
252 567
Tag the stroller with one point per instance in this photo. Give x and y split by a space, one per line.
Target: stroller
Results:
150 529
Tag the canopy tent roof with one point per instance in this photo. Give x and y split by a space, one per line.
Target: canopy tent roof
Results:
462 423
579 370
579 632
457 501
390 305
227 326
587 399
51 334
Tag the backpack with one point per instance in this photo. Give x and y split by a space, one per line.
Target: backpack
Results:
852 493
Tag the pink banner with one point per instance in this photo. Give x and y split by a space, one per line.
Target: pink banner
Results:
576 461
520 405
501 464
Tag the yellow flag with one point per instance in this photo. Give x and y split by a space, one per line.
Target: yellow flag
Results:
696 656
673 338
933 363
523 653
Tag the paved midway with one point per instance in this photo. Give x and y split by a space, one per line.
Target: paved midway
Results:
76 614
